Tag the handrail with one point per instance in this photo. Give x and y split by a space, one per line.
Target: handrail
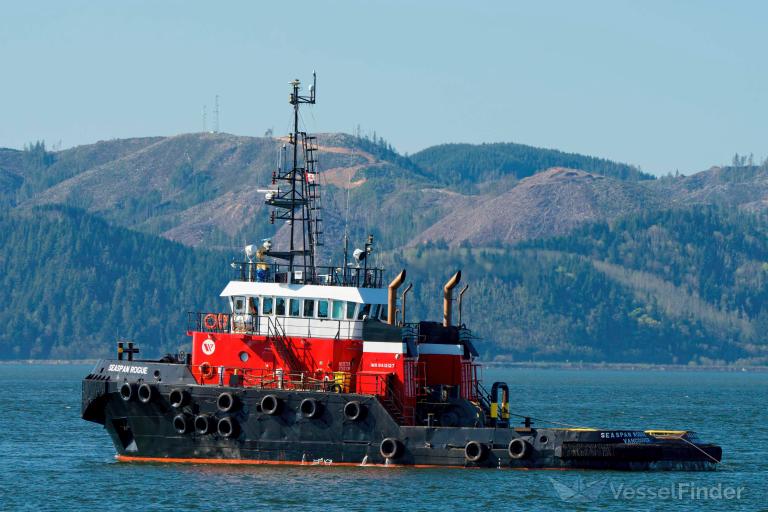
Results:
385 391
262 271
254 324
265 378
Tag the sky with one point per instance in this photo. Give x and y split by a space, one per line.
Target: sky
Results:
663 85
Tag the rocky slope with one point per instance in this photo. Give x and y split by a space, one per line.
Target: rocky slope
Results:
549 203
201 189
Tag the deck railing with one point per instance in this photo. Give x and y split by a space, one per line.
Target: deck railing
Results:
293 326
263 272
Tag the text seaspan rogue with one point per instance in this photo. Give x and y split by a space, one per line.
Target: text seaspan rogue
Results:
312 364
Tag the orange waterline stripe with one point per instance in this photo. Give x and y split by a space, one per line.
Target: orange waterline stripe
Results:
256 462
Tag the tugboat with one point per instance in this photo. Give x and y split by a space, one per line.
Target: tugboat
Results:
312 364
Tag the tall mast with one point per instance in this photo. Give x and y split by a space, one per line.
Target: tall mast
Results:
300 203
295 168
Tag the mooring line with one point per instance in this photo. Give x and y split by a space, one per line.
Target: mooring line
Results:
540 420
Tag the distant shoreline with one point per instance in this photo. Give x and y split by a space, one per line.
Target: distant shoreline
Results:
495 364
624 366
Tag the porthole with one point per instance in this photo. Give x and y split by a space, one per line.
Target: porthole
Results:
244 357
543 439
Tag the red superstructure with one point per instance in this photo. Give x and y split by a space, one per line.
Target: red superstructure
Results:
283 334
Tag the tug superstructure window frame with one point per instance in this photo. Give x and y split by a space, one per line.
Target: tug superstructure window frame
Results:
322 308
238 305
280 306
294 307
351 308
267 306
308 311
337 310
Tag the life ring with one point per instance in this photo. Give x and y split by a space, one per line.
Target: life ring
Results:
519 448
223 321
210 321
206 370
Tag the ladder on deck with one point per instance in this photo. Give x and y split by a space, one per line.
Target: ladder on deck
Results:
276 335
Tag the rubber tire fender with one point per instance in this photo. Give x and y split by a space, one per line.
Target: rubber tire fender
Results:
227 427
475 451
204 424
126 391
145 393
519 449
354 410
391 448
270 404
178 398
181 423
309 408
226 402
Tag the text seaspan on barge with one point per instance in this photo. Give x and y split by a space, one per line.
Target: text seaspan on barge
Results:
312 364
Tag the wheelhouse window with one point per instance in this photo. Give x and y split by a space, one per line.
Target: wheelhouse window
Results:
384 313
266 305
280 306
365 312
337 310
322 309
309 307
239 305
351 310
376 310
253 305
294 307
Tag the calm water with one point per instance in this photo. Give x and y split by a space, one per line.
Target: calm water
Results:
52 460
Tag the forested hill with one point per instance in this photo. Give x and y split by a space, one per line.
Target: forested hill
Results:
702 270
645 289
470 164
595 263
71 284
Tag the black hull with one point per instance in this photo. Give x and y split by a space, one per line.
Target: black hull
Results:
146 432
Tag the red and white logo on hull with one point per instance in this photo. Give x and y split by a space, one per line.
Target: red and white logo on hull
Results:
209 347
